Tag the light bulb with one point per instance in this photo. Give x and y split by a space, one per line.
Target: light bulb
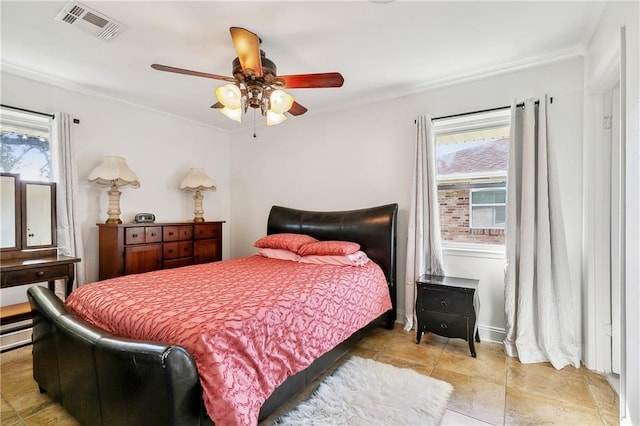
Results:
274 118
229 95
281 101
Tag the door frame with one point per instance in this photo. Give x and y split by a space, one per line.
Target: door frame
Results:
597 219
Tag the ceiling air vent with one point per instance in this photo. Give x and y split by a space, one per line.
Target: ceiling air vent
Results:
89 20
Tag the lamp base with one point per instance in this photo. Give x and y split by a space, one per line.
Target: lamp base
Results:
114 205
198 211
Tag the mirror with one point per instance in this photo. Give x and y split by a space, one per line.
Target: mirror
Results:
28 214
38 214
9 211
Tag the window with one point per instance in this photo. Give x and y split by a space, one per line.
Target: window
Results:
24 145
488 208
472 152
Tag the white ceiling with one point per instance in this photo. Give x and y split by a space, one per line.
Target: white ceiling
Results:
384 50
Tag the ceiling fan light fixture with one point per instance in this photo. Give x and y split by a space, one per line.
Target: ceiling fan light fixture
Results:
274 118
234 114
229 95
281 101
255 83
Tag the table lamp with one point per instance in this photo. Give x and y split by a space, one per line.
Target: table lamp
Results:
197 180
114 172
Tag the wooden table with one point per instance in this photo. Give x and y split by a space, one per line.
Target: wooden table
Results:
16 272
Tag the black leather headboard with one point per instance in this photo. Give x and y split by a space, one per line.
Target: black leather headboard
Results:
373 228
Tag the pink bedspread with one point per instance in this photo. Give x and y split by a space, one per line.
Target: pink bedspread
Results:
249 323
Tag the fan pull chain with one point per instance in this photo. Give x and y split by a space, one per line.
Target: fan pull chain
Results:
254 123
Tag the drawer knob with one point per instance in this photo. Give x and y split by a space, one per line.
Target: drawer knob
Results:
170 250
443 302
153 234
170 233
40 274
134 235
443 325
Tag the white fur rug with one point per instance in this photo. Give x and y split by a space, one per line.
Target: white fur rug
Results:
367 392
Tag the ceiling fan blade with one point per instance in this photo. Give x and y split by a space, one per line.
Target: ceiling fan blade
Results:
217 105
247 46
297 109
189 72
310 81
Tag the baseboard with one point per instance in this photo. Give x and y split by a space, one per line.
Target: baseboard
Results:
491 334
15 339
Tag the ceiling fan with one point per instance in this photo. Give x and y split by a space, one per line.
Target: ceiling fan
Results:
256 84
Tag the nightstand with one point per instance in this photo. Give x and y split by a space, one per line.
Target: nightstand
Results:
448 306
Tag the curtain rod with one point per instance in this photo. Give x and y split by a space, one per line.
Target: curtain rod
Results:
45 114
28 110
462 114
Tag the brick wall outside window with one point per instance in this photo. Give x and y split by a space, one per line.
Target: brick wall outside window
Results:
454 220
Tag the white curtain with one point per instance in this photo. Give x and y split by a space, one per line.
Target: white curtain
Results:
424 252
69 233
538 299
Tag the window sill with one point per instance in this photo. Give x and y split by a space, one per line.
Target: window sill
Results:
489 251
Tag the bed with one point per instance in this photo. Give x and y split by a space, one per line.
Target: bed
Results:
104 379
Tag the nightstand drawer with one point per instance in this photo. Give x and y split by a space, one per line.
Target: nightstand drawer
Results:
445 324
35 274
451 301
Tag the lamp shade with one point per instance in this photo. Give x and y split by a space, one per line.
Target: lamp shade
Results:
114 171
234 114
274 118
229 95
281 101
197 180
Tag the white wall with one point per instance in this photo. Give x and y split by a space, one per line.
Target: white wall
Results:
158 147
603 51
363 157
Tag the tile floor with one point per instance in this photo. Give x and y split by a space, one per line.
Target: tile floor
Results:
490 389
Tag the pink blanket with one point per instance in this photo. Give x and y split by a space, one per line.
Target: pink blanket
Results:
249 323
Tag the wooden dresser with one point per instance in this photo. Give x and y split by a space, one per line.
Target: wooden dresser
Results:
134 248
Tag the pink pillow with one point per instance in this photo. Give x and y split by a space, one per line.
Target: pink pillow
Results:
334 248
281 254
291 242
358 258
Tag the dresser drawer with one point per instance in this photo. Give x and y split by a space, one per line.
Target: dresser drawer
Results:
134 235
451 301
209 230
177 233
34 274
143 234
152 234
176 263
177 249
447 325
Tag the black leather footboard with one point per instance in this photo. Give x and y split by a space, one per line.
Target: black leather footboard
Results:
101 379
104 380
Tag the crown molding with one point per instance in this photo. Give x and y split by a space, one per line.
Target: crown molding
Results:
470 76
40 77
